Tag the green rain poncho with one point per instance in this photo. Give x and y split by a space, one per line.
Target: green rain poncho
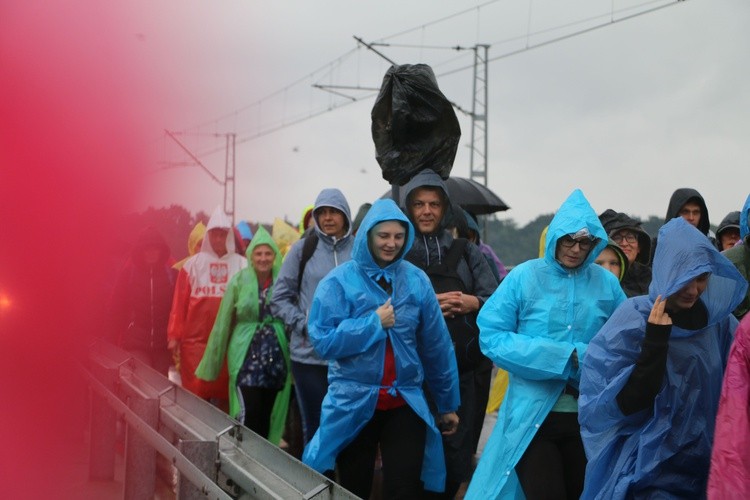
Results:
235 326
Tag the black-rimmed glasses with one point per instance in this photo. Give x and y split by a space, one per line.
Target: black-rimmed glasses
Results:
584 243
628 237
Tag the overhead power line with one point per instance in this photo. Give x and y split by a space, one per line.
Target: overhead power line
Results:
260 101
367 92
369 46
194 157
568 35
440 20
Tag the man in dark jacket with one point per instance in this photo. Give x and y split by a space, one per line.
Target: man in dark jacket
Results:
141 301
690 205
462 281
636 244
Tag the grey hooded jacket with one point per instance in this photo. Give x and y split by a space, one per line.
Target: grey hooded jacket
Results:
291 304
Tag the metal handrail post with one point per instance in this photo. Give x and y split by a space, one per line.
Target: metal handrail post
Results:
223 459
103 427
210 490
140 456
203 455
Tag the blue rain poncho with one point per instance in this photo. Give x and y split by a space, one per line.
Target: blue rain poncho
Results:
665 450
345 329
745 219
530 326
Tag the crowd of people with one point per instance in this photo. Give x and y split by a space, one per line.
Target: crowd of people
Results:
626 362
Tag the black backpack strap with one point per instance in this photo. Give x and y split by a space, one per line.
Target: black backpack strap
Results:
463 328
455 253
309 245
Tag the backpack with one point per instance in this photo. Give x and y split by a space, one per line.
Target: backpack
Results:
463 328
309 244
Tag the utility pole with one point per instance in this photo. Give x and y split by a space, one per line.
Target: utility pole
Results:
479 150
229 177
229 168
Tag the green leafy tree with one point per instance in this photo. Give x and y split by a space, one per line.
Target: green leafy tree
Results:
652 225
515 245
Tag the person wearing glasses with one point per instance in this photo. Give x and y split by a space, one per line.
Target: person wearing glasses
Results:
636 244
537 326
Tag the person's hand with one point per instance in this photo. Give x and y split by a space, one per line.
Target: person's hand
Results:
448 423
658 315
449 302
456 302
173 344
387 318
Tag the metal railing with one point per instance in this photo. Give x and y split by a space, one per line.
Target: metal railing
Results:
216 456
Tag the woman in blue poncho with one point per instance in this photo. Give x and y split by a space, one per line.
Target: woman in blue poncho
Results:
377 321
537 326
652 376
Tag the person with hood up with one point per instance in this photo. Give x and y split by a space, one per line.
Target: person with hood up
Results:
652 376
195 240
254 344
627 232
377 320
613 259
332 226
730 454
462 281
141 300
306 219
739 255
537 326
201 284
728 232
690 205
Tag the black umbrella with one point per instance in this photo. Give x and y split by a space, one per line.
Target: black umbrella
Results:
471 196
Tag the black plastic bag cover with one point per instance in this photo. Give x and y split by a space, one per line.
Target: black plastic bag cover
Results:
413 125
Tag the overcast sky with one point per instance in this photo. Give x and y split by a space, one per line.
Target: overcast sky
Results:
627 112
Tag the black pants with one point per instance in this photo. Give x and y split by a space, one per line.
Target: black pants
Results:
401 435
259 403
554 464
459 447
